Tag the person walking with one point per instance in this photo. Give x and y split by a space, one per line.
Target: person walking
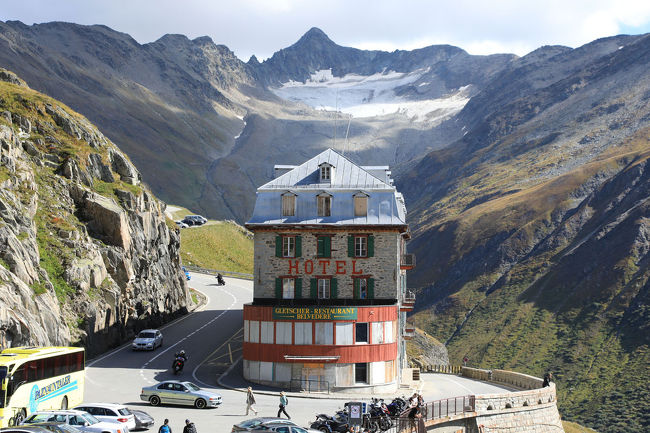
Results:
284 401
189 427
165 428
250 401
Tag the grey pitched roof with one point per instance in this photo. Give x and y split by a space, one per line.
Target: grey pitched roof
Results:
346 175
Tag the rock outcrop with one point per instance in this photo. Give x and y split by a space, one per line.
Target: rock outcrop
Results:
86 253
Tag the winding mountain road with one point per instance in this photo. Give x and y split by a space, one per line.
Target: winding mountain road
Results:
212 337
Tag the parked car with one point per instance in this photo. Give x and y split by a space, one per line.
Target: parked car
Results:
24 429
283 428
195 220
187 273
111 412
251 424
177 392
147 339
77 418
49 427
142 419
181 225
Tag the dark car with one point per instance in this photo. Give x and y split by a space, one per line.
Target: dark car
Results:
142 419
261 422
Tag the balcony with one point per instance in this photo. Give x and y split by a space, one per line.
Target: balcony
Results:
408 301
407 261
409 332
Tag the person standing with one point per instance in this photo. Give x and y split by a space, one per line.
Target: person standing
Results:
284 401
547 379
250 401
165 428
189 427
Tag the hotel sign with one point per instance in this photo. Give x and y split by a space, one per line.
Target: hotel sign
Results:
314 313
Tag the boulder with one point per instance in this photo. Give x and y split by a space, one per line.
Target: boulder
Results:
106 220
122 166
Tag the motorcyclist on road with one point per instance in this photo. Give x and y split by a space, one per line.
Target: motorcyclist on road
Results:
180 356
220 280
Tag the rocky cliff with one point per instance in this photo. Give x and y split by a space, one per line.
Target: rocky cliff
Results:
87 256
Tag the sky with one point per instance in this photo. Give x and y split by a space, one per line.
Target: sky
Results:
262 27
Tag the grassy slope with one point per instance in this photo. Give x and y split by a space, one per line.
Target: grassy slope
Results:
218 245
601 379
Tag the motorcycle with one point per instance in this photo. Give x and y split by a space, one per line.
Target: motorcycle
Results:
178 364
397 406
380 414
220 280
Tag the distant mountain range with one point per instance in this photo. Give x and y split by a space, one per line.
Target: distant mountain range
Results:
526 178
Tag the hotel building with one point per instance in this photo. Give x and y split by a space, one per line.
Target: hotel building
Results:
330 299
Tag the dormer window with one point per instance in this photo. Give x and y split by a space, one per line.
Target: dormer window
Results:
288 204
360 204
326 172
324 202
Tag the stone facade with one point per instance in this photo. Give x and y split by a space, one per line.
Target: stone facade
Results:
383 266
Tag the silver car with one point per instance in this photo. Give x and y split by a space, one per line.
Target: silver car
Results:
80 419
177 392
148 339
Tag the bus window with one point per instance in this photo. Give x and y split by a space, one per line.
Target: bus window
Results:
18 378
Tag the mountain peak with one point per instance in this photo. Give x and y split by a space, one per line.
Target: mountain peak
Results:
314 35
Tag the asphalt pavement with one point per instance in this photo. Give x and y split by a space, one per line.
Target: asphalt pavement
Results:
212 337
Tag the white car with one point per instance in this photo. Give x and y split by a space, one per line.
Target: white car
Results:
80 419
148 339
110 412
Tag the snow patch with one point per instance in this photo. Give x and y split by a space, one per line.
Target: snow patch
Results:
370 96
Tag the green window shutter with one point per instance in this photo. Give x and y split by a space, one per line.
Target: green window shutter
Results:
355 284
334 288
298 287
350 246
313 288
320 246
278 246
371 288
278 288
327 246
298 246
371 246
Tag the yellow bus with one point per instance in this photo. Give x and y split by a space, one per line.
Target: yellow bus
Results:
39 378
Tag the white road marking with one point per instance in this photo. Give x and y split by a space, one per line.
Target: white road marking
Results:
471 391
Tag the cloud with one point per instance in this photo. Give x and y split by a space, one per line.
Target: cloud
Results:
262 27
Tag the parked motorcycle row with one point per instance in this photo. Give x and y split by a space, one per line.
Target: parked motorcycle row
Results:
377 416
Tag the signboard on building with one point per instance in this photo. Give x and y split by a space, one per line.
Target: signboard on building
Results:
314 313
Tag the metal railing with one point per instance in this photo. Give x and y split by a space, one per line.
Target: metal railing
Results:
201 270
408 296
447 407
408 260
309 385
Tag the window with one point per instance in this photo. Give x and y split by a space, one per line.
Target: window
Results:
323 288
360 288
254 331
360 205
388 331
324 333
324 246
378 372
361 372
361 332
289 205
288 288
282 332
303 332
360 246
377 332
344 333
324 205
325 173
288 246
266 332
